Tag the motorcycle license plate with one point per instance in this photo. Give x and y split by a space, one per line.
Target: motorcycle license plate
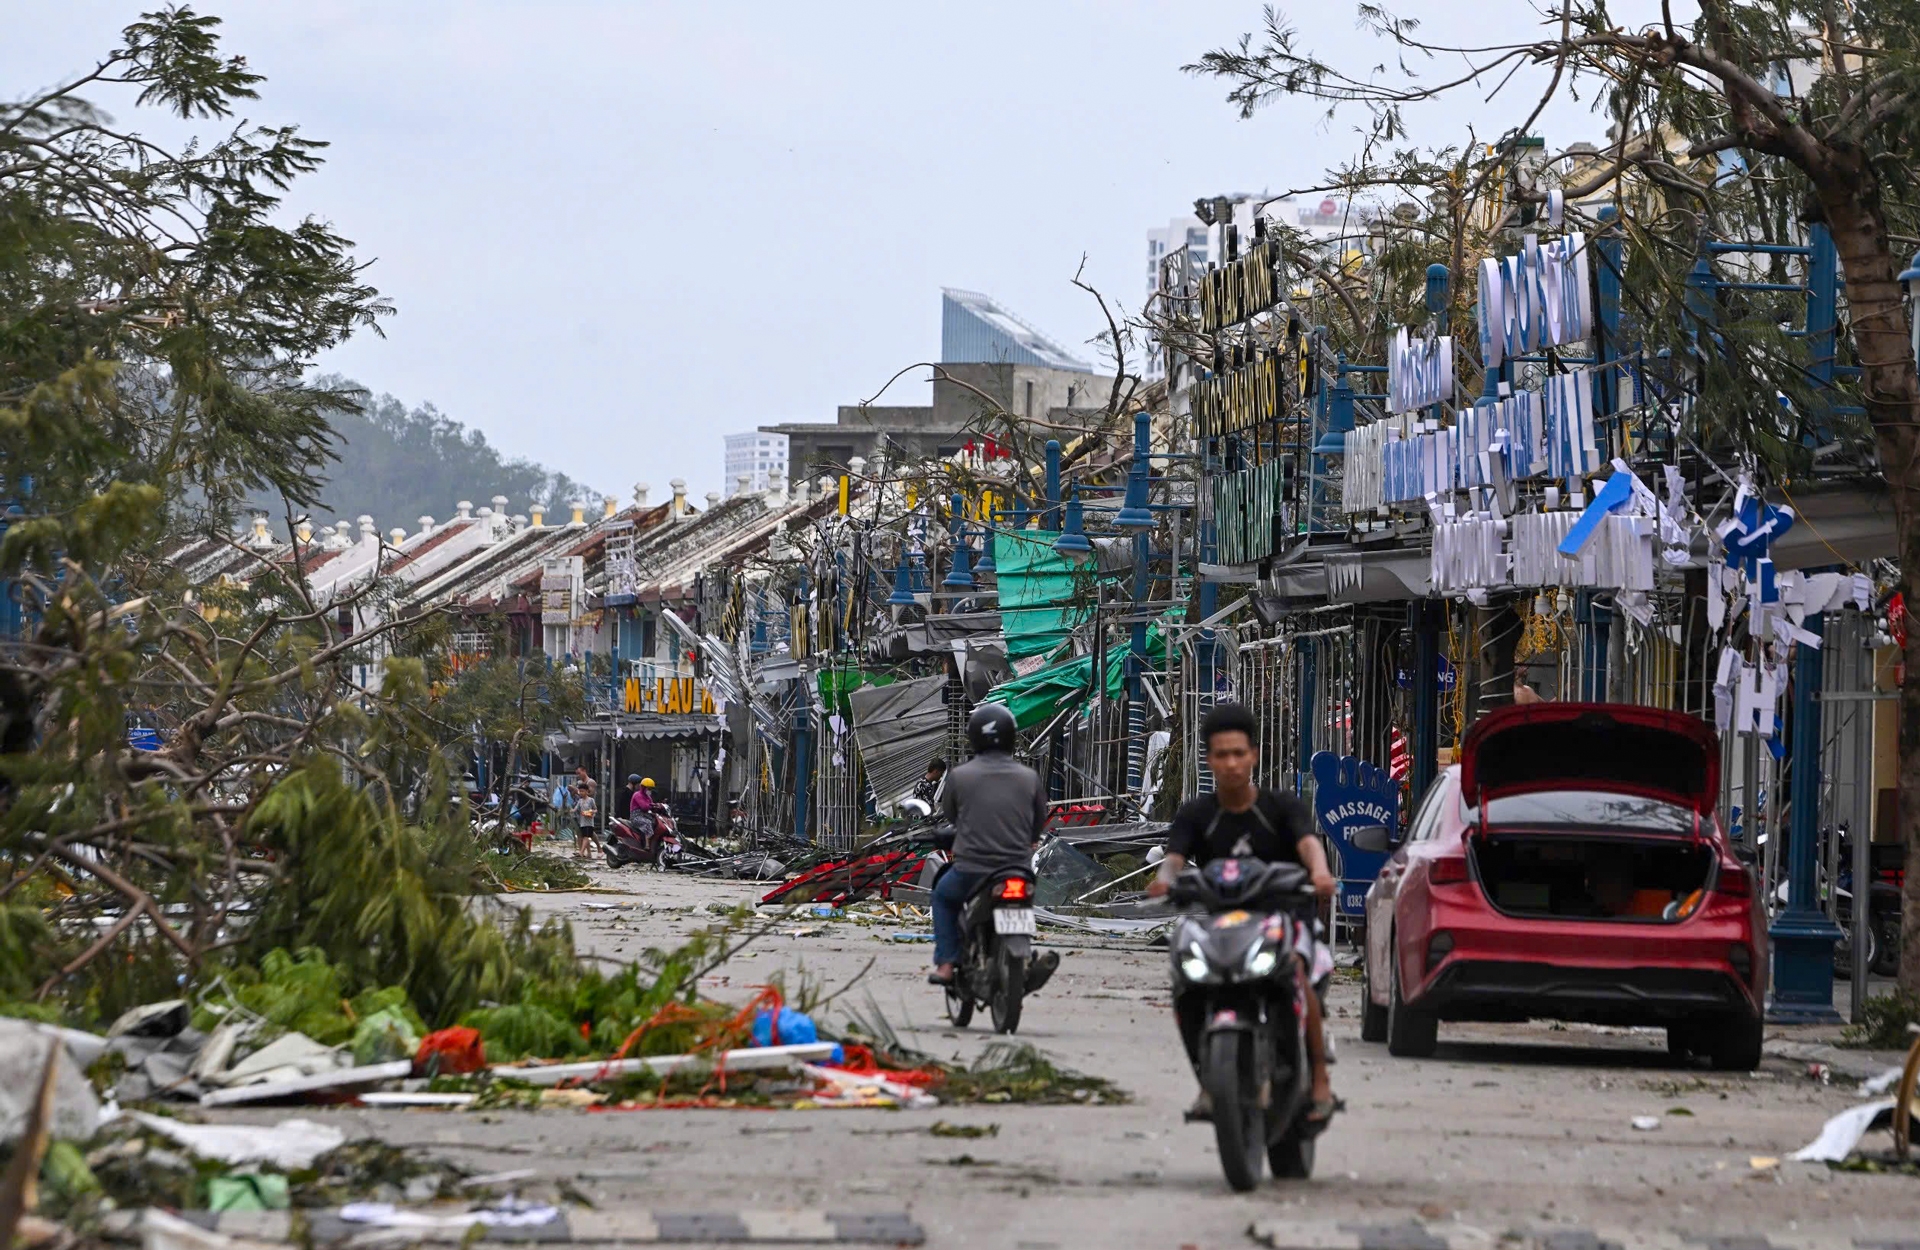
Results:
1012 921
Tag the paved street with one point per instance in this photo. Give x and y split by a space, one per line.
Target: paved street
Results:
1508 1128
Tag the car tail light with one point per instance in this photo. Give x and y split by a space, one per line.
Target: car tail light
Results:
1013 889
1448 870
1735 882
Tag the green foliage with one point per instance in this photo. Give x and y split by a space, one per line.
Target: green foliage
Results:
156 313
524 1030
536 871
1018 1072
25 939
396 464
391 903
1886 1022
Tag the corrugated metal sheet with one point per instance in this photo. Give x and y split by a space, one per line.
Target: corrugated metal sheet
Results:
897 729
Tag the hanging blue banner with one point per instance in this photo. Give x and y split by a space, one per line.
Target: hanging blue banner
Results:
1350 794
1444 678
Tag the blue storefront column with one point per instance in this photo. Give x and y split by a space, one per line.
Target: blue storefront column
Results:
1802 935
1424 617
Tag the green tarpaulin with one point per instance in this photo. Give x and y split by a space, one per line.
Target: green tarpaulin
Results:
1041 694
1036 585
837 683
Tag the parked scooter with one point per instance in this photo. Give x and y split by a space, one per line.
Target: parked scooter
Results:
1884 909
635 840
1238 957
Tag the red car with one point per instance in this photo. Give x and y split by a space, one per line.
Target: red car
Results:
1569 867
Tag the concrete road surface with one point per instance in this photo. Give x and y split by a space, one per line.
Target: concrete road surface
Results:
1508 1128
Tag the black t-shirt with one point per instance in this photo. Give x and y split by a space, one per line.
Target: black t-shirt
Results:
1203 831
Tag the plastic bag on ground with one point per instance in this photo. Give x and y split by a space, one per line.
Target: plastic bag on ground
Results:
383 1037
788 1028
453 1051
248 1191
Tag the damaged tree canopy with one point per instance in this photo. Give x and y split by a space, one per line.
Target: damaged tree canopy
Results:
191 780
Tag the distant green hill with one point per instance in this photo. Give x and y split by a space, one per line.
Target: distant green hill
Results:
399 464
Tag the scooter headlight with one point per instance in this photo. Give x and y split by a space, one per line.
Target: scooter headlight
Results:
1261 959
1194 966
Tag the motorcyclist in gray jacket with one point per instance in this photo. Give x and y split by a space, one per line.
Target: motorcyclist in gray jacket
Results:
998 809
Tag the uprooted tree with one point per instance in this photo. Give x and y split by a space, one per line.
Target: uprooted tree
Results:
1821 106
296 787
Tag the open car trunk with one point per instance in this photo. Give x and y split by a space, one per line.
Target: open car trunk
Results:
1567 875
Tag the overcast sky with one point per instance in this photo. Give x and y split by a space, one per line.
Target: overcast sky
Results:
617 231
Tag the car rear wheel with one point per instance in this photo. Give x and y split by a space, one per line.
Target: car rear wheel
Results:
1373 1018
1735 1044
1411 1034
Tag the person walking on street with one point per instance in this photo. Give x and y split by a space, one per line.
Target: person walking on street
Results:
560 802
583 836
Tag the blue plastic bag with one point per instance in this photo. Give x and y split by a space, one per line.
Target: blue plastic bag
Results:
790 1028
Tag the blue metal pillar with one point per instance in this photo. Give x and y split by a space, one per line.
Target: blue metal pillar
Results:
1052 519
1593 647
1437 302
803 767
1136 672
1333 410
1423 617
1823 299
803 749
1611 250
1802 935
1309 661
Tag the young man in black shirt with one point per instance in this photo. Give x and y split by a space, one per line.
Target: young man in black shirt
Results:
1240 819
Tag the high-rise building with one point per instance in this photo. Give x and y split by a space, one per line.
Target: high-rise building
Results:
1336 224
759 456
1187 232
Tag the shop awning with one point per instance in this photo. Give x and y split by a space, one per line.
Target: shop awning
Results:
635 725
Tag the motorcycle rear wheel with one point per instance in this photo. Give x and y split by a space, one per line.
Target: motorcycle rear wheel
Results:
1009 989
959 1006
1239 1126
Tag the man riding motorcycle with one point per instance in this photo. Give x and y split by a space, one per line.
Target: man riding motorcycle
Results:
1241 819
998 808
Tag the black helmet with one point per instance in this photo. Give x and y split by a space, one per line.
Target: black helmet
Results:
990 728
633 779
